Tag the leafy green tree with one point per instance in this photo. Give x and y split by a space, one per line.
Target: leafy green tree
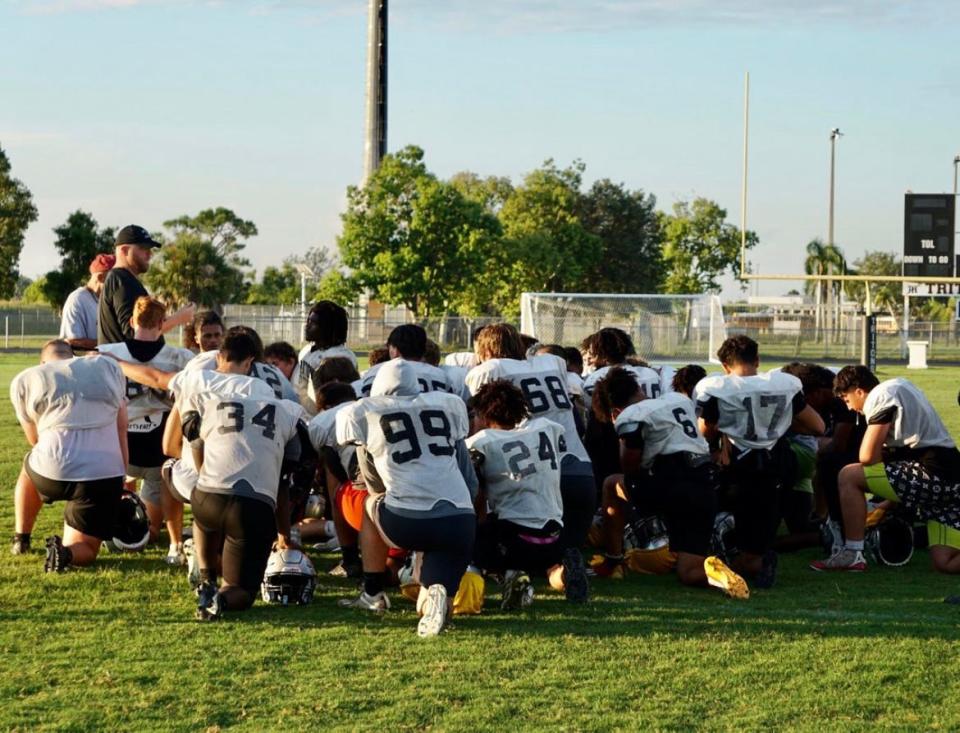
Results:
79 240
629 231
823 259
413 239
192 270
546 246
699 245
336 286
23 283
277 285
34 293
17 212
884 296
221 227
491 192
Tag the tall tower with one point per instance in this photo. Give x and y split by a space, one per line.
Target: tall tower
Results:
375 140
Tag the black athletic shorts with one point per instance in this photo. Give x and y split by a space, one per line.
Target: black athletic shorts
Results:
146 449
91 505
248 528
684 496
503 545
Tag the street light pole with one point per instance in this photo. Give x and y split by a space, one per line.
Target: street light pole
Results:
956 162
834 134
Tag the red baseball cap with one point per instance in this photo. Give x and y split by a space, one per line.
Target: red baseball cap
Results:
102 263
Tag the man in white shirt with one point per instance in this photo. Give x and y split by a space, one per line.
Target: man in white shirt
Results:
78 320
906 456
326 334
73 414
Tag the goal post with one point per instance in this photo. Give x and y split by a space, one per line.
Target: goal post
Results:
664 328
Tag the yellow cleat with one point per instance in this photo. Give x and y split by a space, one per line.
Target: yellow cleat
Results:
722 577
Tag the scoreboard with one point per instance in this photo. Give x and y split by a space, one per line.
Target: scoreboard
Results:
928 235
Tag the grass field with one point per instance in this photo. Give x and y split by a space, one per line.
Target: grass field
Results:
115 647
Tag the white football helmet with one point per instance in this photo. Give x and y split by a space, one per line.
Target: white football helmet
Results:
289 578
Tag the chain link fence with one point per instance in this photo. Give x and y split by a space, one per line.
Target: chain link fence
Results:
27 327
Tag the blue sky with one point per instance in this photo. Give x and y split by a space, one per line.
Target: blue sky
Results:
142 110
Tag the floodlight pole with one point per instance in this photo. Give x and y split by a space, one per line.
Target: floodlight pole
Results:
375 141
956 163
743 188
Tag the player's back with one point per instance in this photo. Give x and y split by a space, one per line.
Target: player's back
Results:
753 411
76 393
429 377
649 379
915 423
543 381
667 425
244 439
322 429
412 440
279 384
521 471
145 405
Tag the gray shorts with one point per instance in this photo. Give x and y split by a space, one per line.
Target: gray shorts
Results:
150 485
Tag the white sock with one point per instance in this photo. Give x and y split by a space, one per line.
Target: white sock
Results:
855 545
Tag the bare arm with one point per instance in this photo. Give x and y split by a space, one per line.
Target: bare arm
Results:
83 344
181 318
172 442
871 448
122 433
145 375
30 431
808 422
197 456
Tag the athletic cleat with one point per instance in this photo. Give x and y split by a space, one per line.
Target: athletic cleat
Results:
193 564
576 585
346 570
603 567
176 555
378 603
329 545
209 603
851 561
722 577
58 557
768 571
517 591
434 608
19 545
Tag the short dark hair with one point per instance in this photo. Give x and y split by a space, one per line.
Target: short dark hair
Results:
239 345
334 369
574 358
852 377
555 349
686 378
738 349
206 318
332 394
811 376
332 328
615 390
431 354
378 355
609 346
500 402
410 340
253 335
60 347
280 350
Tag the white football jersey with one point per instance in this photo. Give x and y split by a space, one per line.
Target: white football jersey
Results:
543 381
648 379
74 404
145 405
323 434
187 385
666 373
429 377
667 425
914 422
412 441
457 377
282 389
521 470
466 359
308 361
753 412
244 440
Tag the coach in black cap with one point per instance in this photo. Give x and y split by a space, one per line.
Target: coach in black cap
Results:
133 248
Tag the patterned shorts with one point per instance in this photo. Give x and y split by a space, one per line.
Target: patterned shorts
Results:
927 495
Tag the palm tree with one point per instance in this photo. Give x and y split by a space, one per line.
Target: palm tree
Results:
824 259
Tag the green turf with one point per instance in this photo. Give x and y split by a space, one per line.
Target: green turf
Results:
115 648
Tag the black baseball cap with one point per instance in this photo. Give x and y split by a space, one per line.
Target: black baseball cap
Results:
133 234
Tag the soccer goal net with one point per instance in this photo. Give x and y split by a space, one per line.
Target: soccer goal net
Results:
664 328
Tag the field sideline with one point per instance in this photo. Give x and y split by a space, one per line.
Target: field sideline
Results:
115 647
